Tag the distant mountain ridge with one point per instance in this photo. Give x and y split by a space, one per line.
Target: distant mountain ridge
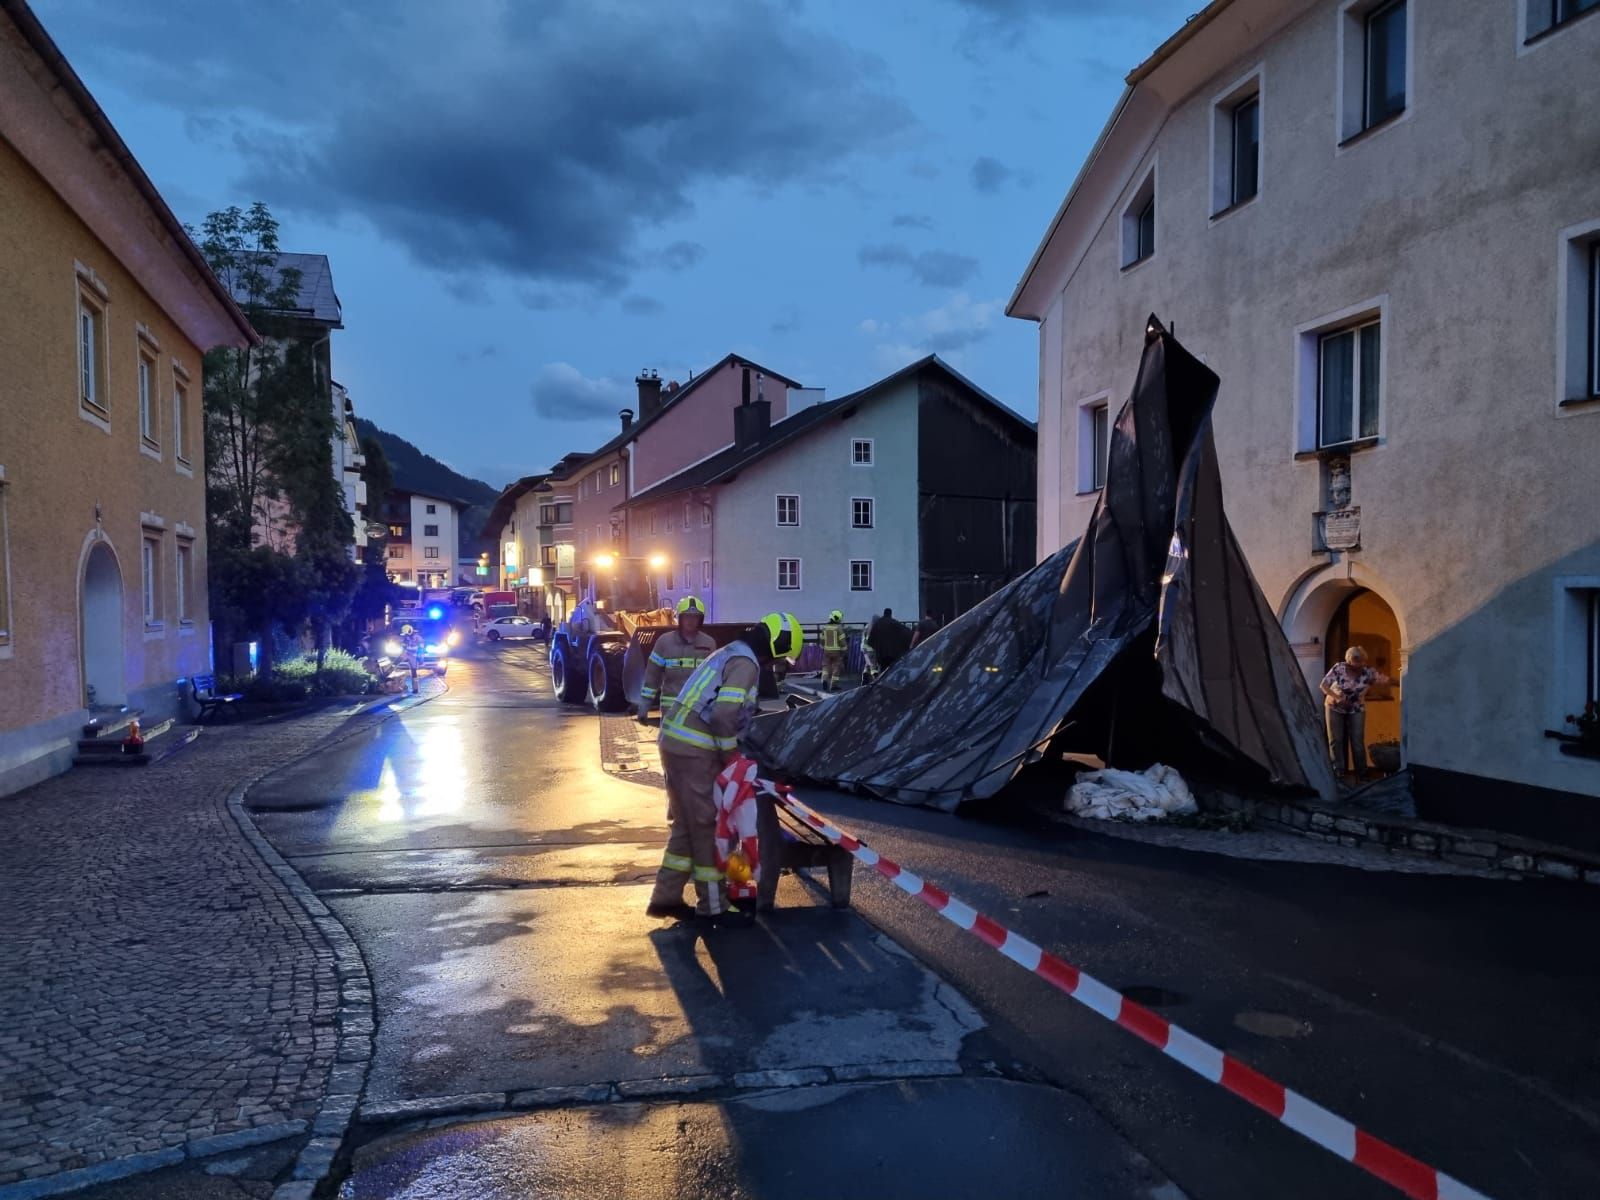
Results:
417 471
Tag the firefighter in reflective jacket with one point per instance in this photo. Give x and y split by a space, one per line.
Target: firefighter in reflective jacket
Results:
675 654
835 641
699 734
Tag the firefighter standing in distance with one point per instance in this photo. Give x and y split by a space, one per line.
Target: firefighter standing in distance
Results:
835 641
674 656
699 736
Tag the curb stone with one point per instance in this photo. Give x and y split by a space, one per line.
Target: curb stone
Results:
356 1016
336 1109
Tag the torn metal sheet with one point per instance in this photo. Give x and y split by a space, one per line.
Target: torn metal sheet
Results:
1148 638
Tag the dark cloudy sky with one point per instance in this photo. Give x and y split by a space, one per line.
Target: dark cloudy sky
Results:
527 201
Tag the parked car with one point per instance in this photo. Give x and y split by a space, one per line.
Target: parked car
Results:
509 627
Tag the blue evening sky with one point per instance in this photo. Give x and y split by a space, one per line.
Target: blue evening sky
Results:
526 202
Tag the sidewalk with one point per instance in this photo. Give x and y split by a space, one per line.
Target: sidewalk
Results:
165 996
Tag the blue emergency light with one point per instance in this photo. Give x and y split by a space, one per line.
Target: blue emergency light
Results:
435 613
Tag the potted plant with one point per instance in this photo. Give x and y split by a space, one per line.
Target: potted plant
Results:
1588 725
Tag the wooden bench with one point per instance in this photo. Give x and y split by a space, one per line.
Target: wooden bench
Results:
204 690
787 841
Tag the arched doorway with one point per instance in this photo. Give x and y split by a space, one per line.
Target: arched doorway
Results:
1364 619
102 628
1343 605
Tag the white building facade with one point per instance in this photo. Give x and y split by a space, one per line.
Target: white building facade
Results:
1379 223
424 539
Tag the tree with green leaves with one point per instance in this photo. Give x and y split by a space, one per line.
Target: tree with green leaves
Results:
269 425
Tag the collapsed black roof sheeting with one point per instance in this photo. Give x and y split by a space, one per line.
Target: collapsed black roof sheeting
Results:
1147 637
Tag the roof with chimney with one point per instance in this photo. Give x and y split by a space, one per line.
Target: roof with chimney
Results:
671 399
728 463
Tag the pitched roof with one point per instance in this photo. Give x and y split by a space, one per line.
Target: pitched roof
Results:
671 401
315 297
45 47
734 459
506 503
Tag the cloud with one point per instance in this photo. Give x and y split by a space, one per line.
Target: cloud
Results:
948 329
561 392
990 174
680 256
541 141
642 306
466 356
932 268
787 320
911 221
923 170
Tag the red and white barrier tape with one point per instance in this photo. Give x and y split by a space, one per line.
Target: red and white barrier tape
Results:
1328 1130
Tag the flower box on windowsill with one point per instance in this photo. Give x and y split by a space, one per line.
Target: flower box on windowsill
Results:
1575 745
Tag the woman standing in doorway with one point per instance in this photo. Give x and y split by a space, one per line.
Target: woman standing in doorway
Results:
1345 704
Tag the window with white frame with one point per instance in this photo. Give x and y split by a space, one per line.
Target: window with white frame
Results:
860 574
150 555
1339 377
616 474
430 531
1094 443
861 452
705 515
1375 71
1542 16
432 508
149 418
180 414
686 514
788 510
1139 222
861 512
5 568
705 572
430 552
184 581
1349 383
1576 667
688 576
788 574
1236 144
1578 314
92 389
396 551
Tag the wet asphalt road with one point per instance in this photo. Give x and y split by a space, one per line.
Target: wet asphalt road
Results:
495 878
1452 1016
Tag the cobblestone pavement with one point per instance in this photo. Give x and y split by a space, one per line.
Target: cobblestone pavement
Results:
161 985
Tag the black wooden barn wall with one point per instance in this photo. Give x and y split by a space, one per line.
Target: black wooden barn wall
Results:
976 487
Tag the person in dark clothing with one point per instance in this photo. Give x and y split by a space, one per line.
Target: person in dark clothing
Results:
888 639
926 628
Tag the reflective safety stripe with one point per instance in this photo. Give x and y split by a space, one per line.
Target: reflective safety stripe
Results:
669 699
649 692
676 862
657 659
693 737
731 695
707 874
687 664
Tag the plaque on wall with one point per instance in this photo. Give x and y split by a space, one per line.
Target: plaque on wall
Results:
1341 529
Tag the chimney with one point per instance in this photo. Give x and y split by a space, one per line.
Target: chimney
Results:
627 419
751 422
649 381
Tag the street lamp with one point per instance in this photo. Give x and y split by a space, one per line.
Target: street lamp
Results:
605 561
658 561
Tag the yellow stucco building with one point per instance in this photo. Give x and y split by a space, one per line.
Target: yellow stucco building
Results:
108 309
